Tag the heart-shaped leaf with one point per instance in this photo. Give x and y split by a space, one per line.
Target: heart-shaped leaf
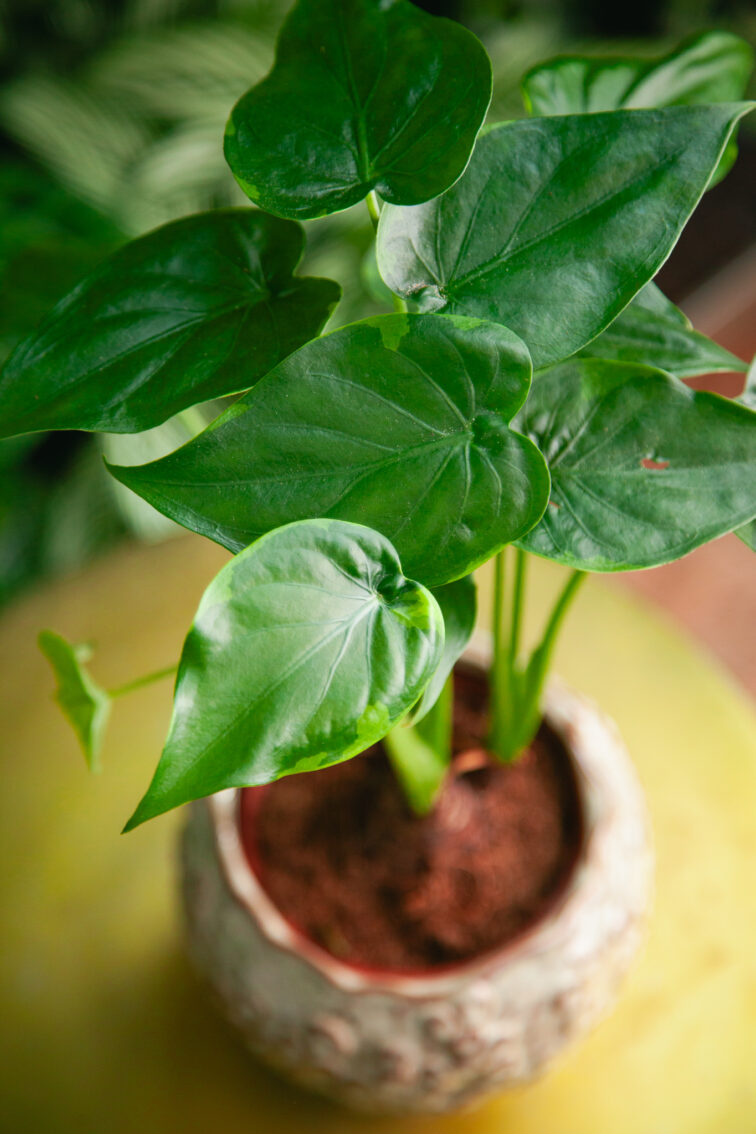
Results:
306 649
84 702
196 309
713 67
557 222
398 422
652 331
643 469
364 94
458 602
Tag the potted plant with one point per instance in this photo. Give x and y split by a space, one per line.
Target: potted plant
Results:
439 915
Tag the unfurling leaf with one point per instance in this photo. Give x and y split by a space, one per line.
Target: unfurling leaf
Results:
84 703
306 649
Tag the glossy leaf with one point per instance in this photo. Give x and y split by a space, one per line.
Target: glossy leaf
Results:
748 534
748 398
643 468
557 222
306 649
194 310
652 331
398 422
85 704
713 67
364 94
458 602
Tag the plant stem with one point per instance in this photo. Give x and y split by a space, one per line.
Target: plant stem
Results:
138 682
373 208
518 595
436 725
400 307
561 607
194 419
500 670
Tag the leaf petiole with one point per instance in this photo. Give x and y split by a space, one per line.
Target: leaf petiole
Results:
139 682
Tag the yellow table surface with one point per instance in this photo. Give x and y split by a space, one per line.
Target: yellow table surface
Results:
104 1028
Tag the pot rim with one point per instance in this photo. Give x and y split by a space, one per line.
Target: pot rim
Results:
555 924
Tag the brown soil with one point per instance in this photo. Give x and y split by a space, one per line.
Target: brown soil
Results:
348 864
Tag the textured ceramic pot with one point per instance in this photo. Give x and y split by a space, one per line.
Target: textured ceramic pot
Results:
430 1043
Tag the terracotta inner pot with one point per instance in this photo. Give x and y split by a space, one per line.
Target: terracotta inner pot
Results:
355 872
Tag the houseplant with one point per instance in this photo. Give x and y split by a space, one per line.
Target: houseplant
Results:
364 474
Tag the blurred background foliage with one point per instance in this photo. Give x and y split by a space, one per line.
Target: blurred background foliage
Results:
111 122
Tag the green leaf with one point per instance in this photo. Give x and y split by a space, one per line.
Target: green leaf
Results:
306 649
557 222
748 534
712 67
194 310
748 398
652 331
364 94
458 602
643 469
84 703
398 422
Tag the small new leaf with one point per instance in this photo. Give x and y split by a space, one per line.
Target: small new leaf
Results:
197 309
364 94
557 222
643 469
84 703
398 422
306 649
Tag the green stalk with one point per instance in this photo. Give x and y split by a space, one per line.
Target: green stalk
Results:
138 682
373 208
420 754
563 603
516 689
518 597
500 669
400 307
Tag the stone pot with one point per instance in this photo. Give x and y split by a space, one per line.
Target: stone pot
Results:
429 1043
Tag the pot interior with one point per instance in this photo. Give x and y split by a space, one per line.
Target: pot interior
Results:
355 874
